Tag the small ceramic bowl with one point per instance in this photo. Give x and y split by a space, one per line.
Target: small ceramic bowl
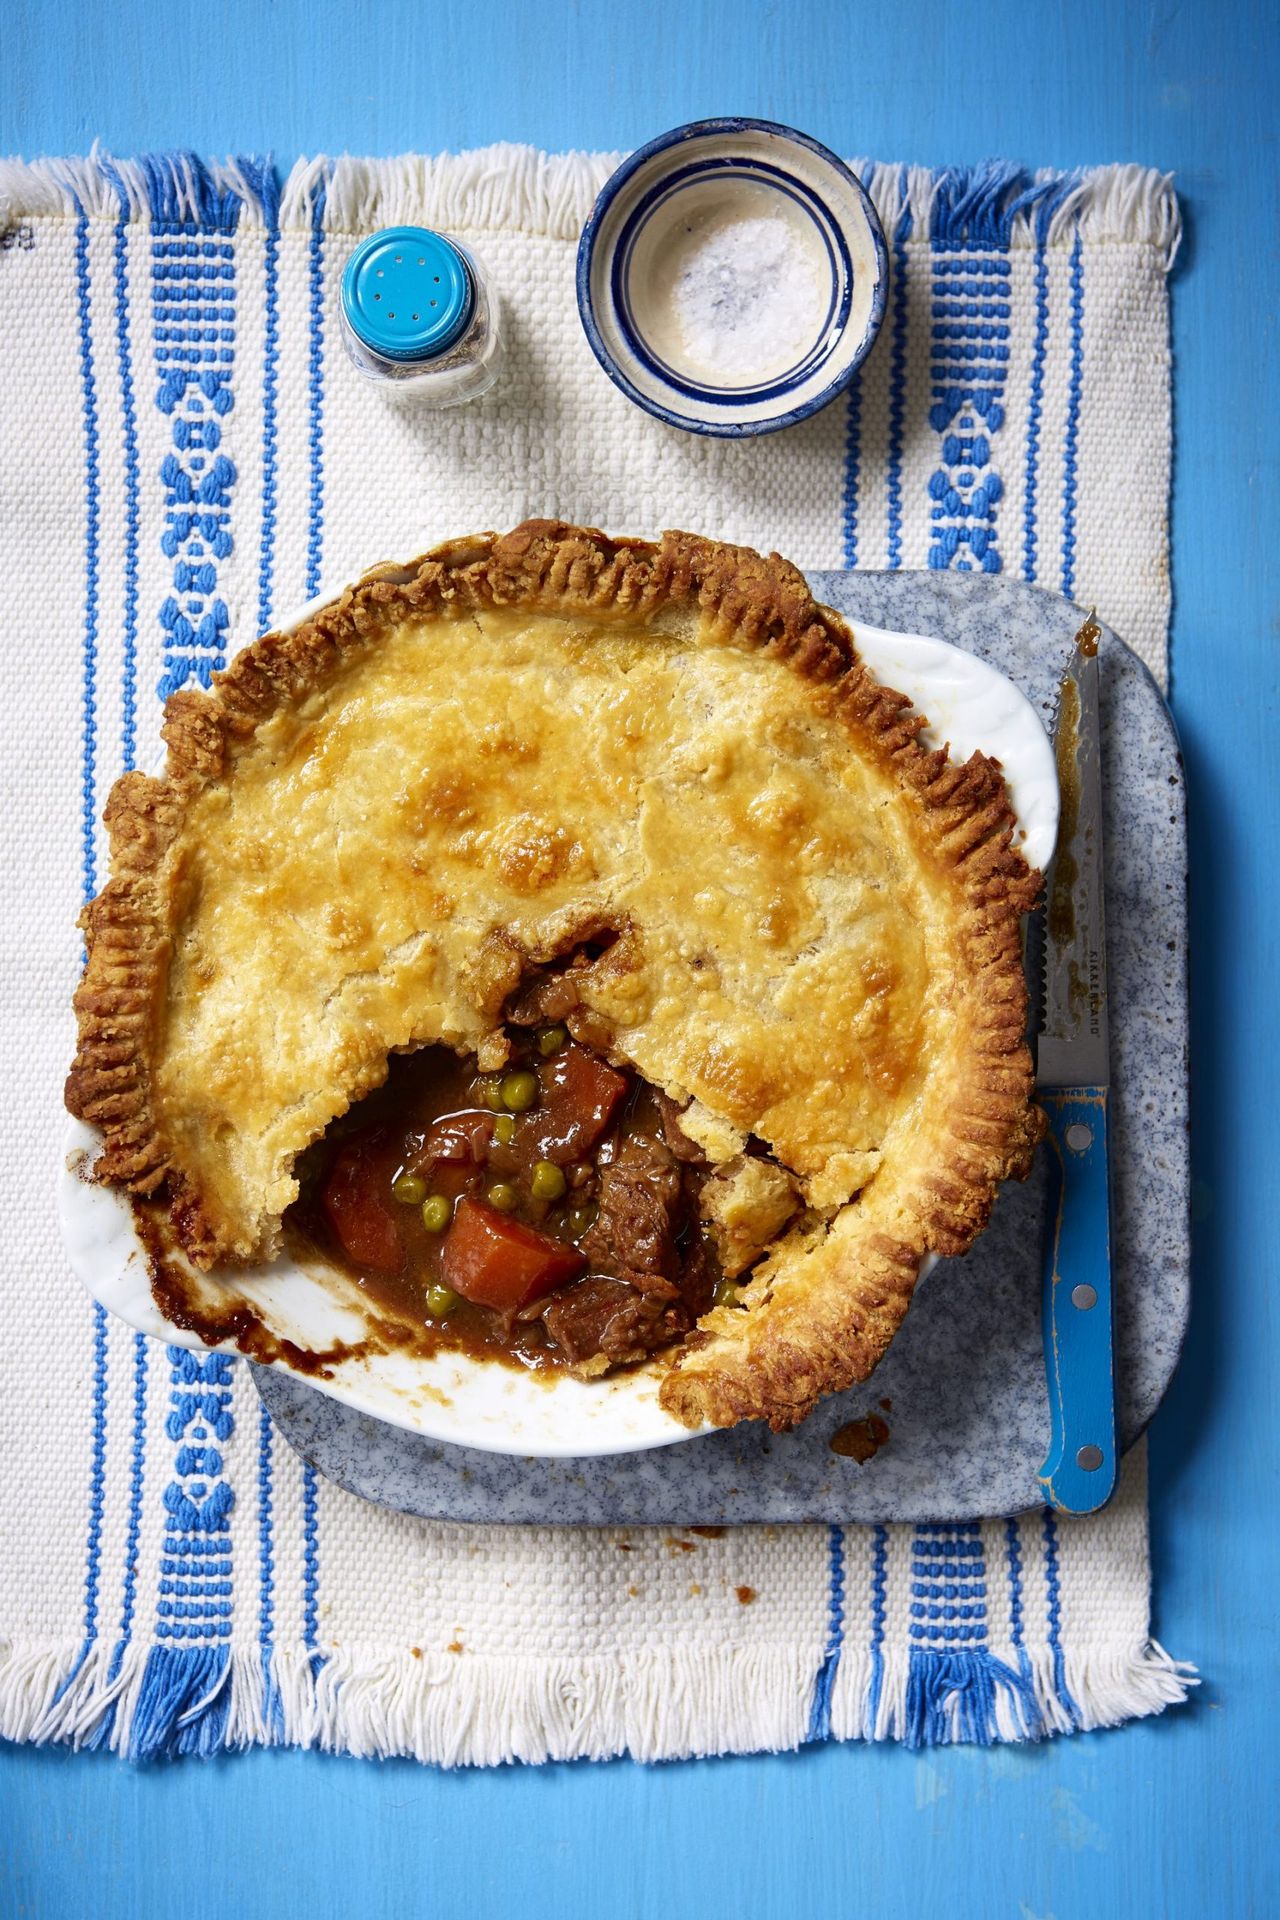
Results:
732 277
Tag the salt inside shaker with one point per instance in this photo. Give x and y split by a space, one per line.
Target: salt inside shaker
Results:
417 314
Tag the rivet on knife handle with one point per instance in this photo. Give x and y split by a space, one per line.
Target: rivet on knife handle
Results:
1079 1473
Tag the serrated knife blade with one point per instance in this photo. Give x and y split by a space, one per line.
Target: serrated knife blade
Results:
1072 1048
1073 1077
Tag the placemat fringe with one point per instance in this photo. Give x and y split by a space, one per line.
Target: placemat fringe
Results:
517 188
482 1710
932 1699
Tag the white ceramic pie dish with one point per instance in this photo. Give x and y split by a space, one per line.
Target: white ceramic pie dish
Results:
485 1404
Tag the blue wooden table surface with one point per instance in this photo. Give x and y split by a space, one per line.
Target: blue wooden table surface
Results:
1174 1817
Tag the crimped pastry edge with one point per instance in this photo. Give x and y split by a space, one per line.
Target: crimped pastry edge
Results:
771 1360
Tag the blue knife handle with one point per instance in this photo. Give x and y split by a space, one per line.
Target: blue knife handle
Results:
1079 1474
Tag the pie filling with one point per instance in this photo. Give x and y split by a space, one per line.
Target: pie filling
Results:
553 1213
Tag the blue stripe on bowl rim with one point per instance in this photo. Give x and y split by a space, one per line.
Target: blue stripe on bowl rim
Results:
821 216
677 136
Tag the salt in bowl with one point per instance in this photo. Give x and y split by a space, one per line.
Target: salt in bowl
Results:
732 276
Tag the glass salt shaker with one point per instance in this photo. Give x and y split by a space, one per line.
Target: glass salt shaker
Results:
417 314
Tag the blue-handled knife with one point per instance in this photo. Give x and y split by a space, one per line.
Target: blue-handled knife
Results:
1072 1079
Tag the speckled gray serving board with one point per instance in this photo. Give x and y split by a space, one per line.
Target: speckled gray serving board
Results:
969 1417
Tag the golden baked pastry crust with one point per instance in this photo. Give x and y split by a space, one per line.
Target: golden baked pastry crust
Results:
372 824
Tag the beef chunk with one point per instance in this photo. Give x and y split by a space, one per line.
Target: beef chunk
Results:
602 1316
555 997
641 1212
580 1095
654 1273
700 1269
551 994
679 1142
546 999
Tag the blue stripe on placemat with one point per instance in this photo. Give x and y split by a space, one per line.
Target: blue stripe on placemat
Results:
89 886
1039 347
141 1349
897 388
948 1615
128 744
272 1706
315 395
184 1700
102 1733
1070 473
824 1686
879 1558
273 1711
128 736
315 557
1013 1554
1053 1607
954 1679
262 179
269 379
89 735
97 1484
967 373
852 457
853 451
310 1560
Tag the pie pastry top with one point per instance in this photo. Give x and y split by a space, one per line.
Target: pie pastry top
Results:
373 825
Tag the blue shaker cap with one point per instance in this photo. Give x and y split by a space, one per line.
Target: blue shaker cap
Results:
407 293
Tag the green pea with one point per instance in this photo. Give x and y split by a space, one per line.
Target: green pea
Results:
436 1213
504 1129
726 1294
441 1300
581 1217
491 1095
519 1090
503 1196
547 1182
410 1189
550 1038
